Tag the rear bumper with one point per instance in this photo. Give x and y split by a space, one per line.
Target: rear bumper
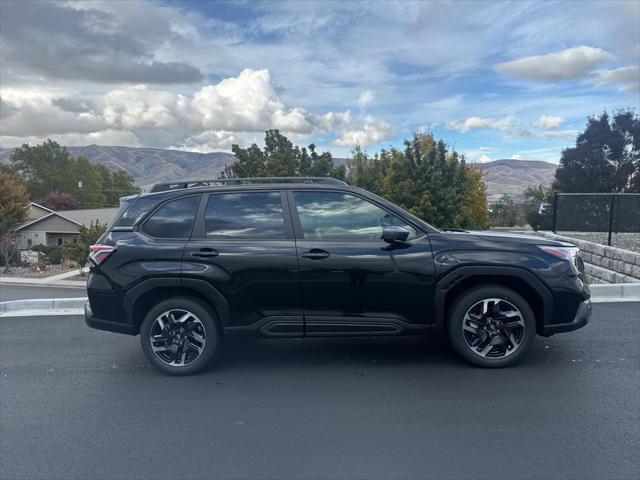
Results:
106 325
580 320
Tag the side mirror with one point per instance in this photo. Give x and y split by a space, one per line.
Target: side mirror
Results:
395 234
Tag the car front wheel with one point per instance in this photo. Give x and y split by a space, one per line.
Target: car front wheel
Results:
179 336
491 326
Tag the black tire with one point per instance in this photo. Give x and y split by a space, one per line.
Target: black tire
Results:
206 323
474 298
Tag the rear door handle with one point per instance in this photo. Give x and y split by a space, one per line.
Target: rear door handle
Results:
315 254
205 252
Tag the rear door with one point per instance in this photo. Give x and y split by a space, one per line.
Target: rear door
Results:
352 281
243 246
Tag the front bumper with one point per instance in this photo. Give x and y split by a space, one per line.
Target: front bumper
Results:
580 320
107 325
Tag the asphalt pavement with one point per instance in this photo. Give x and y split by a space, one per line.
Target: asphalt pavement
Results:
80 403
21 291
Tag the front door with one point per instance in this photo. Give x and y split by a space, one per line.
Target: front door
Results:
243 246
352 281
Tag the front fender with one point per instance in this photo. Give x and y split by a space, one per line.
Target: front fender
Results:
460 274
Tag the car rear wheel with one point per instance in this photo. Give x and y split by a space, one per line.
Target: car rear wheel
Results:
491 326
179 336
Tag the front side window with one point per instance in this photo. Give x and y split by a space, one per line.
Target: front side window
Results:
174 219
341 216
252 215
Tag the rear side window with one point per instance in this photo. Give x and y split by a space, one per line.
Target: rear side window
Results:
136 211
174 219
255 215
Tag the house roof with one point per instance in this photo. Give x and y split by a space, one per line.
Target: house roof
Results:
87 215
34 204
78 217
45 217
36 211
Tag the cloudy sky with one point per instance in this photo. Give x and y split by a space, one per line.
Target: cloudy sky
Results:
495 79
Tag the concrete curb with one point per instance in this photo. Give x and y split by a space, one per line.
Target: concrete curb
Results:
4 280
616 290
605 293
41 306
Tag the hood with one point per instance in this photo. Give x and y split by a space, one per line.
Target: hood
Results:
506 237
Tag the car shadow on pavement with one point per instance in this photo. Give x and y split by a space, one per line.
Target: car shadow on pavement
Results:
309 353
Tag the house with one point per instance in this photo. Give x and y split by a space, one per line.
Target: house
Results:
50 228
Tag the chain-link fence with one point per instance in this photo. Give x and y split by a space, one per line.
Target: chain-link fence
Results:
610 219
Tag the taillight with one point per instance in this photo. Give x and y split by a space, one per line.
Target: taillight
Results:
99 253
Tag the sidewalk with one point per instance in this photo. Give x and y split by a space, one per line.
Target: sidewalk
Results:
54 280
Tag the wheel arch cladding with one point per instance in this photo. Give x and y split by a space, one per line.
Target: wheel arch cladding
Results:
455 284
154 292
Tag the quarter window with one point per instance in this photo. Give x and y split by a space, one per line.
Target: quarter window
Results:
340 216
173 219
135 212
255 215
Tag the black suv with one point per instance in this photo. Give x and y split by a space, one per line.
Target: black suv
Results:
290 257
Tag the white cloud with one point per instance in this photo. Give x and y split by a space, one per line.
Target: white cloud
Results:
564 134
248 102
27 113
367 133
208 141
138 107
484 159
469 124
121 138
214 117
627 78
564 65
509 125
366 97
548 122
515 156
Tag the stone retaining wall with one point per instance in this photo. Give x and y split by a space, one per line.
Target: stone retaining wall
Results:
604 264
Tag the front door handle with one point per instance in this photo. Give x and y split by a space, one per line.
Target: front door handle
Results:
205 252
316 254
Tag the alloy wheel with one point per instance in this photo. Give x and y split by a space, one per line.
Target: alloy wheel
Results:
493 328
177 337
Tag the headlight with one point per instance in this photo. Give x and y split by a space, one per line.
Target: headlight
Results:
565 253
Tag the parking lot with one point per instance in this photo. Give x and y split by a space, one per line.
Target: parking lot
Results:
80 403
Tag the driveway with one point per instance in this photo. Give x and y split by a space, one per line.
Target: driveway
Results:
79 403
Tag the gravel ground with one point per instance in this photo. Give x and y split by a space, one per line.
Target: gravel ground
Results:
626 241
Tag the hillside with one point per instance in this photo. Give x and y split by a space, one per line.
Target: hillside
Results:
151 165
514 176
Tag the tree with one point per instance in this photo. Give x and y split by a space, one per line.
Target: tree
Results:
504 212
426 179
43 168
48 168
280 158
120 184
79 251
535 197
606 158
59 201
14 205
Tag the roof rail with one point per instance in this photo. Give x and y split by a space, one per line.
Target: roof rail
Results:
161 187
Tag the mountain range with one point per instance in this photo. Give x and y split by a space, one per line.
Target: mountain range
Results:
512 177
151 165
